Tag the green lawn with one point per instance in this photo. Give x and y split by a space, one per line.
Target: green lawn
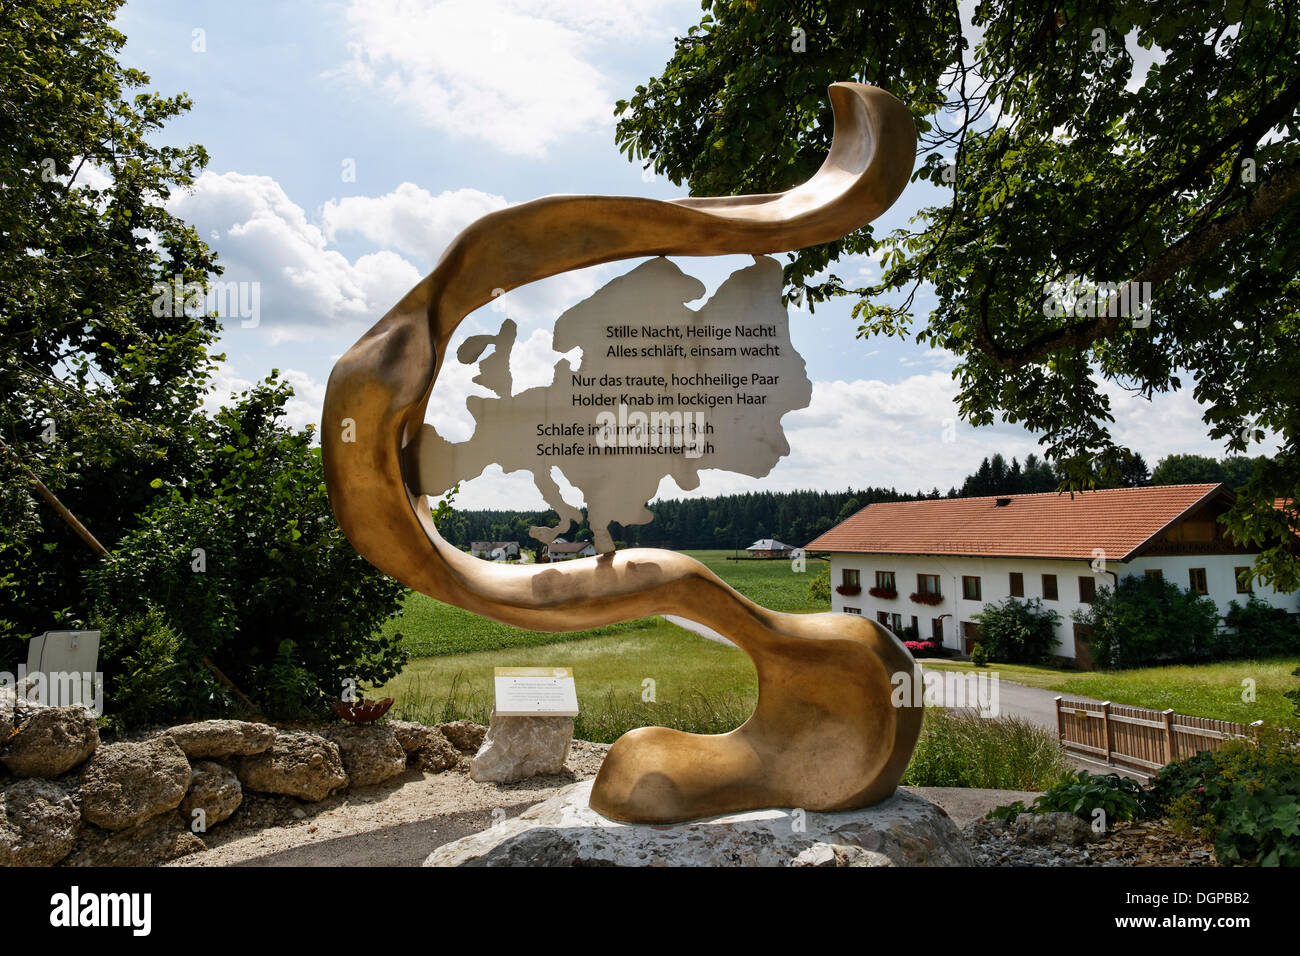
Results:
431 628
698 685
1201 690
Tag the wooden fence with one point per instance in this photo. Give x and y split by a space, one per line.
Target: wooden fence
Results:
1136 737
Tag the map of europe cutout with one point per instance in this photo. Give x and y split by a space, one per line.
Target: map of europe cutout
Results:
660 390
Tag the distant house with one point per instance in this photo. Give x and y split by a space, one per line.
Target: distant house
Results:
559 550
932 565
769 548
495 550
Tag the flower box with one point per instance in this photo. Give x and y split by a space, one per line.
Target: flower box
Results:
931 599
888 593
848 590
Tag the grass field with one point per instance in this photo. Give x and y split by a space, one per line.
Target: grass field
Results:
705 687
431 628
1203 690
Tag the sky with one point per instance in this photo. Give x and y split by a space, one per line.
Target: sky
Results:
349 142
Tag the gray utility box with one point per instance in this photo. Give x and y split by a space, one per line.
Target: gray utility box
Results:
61 669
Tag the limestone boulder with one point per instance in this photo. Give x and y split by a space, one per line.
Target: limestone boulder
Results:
50 742
38 823
158 840
123 785
516 748
215 790
219 739
1047 829
370 755
904 830
425 747
465 735
298 764
7 700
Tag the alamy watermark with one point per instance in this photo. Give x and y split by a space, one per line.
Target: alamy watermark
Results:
664 433
242 300
951 689
57 688
1074 295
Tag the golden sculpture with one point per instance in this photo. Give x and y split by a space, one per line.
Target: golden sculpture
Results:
824 735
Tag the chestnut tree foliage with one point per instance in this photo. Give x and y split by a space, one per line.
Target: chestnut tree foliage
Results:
102 401
1058 157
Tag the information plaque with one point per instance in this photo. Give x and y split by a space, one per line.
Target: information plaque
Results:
535 692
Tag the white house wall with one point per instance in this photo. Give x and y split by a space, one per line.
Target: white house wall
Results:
995 586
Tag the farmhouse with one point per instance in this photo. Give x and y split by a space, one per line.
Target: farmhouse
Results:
561 550
933 564
495 550
769 548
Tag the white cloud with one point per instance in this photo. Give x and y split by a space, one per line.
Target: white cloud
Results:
520 75
305 286
409 219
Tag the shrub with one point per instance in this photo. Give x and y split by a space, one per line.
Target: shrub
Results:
251 570
1294 695
962 749
1245 797
1016 631
978 656
1256 629
145 674
1082 794
819 588
1147 620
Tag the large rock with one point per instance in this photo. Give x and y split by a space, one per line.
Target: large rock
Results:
217 739
38 823
1048 829
370 755
298 764
215 790
51 742
425 747
465 735
520 747
904 830
155 841
125 784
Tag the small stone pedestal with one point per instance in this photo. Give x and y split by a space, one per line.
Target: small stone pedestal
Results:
904 830
519 747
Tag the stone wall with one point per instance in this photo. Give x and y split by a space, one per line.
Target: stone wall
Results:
66 798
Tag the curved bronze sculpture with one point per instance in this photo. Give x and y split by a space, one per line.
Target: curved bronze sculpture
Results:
824 735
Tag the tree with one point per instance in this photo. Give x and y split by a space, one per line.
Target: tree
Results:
1187 470
1065 175
98 387
1016 631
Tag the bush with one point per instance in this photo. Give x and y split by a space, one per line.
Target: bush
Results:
1147 620
1245 797
962 749
978 656
819 588
1082 794
145 674
251 570
1256 629
1018 632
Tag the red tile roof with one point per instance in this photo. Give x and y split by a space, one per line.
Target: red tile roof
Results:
1051 525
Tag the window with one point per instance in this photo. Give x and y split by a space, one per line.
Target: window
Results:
1155 574
1196 579
853 610
1087 588
970 587
885 581
916 626
851 578
1049 587
1245 582
883 617
897 624
927 584
1017 584
936 630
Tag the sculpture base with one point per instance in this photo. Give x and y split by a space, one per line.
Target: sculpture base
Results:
903 830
